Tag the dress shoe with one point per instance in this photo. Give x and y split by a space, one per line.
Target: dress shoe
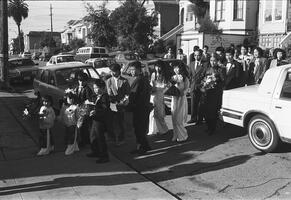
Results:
102 160
92 155
192 121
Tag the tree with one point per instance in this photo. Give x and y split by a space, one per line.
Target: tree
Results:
200 8
134 27
16 46
102 31
77 43
208 26
18 10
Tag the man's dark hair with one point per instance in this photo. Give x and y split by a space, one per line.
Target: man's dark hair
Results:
82 76
220 49
195 48
207 47
181 50
115 67
200 51
135 64
230 51
100 83
48 98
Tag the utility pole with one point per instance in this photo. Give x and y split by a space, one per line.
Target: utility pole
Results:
51 15
3 44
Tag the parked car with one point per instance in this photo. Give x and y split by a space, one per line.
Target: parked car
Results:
124 57
60 58
264 110
21 69
53 80
26 55
101 65
84 53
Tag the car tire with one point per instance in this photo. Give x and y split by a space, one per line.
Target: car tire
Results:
263 134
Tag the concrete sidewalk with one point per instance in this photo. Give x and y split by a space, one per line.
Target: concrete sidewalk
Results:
56 176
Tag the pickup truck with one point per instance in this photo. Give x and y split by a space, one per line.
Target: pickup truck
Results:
264 110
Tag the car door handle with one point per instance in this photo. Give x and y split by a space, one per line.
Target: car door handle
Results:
278 107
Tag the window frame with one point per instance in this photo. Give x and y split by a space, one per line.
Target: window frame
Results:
236 9
273 11
221 12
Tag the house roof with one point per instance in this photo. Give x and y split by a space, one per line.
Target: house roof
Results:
41 33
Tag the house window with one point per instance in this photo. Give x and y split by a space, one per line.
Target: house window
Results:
220 10
268 10
273 10
278 9
238 9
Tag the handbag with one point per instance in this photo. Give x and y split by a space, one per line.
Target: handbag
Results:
173 91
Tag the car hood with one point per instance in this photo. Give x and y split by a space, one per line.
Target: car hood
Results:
242 90
23 69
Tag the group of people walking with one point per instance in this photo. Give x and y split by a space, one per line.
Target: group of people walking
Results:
88 114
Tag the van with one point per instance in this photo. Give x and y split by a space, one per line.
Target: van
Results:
85 53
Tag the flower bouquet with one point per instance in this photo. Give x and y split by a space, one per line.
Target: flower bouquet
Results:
209 82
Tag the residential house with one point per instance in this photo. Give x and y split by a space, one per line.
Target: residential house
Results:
32 40
77 29
236 18
274 23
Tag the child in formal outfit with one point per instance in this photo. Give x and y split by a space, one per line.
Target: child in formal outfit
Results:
99 115
46 122
68 116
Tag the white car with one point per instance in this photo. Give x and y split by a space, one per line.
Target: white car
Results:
263 109
61 58
26 55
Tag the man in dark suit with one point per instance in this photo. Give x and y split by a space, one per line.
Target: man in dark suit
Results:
234 71
196 74
118 90
139 103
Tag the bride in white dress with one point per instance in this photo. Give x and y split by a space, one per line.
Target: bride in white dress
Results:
179 106
158 82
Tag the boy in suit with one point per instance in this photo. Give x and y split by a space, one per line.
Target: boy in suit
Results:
118 90
234 71
139 103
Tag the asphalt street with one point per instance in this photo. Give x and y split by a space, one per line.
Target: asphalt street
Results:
221 166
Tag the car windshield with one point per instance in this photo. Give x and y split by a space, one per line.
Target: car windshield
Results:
69 75
65 59
103 63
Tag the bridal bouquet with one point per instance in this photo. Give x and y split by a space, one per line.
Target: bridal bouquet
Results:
209 82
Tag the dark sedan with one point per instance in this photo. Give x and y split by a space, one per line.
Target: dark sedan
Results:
21 69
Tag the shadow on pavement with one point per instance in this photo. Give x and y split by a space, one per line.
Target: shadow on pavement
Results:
73 181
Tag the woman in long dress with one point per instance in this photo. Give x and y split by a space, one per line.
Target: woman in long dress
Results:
159 79
179 105
212 88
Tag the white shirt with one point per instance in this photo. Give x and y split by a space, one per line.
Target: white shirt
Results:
228 67
116 81
196 64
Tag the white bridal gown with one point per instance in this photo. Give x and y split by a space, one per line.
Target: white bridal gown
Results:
157 115
179 109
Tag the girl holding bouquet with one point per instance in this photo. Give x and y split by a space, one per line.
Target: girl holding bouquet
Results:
179 105
46 122
68 116
159 79
212 88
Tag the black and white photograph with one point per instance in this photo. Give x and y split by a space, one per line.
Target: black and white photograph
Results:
145 99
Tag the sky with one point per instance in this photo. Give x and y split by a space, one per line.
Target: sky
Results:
63 11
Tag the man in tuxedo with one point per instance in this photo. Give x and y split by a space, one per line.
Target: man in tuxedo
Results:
205 55
234 71
118 90
196 74
191 57
139 103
